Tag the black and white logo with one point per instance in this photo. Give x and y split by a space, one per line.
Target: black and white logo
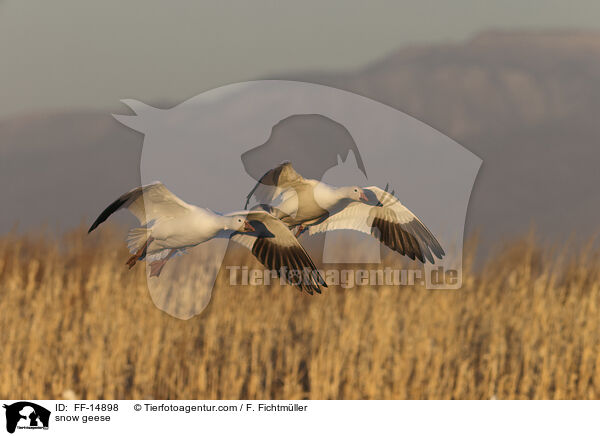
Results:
26 415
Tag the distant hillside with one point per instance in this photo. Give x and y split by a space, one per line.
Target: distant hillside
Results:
525 102
55 167
495 82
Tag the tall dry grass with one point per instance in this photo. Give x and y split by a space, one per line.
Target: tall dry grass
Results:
74 319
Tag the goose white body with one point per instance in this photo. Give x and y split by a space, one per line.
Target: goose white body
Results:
320 207
171 225
187 230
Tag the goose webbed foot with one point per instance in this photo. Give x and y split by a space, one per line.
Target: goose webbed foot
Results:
139 255
131 261
157 266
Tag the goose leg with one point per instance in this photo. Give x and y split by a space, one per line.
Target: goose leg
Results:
300 230
139 254
157 266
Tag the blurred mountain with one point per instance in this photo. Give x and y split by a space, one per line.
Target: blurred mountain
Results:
55 167
495 82
525 102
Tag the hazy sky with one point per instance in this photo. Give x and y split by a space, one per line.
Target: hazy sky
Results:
79 54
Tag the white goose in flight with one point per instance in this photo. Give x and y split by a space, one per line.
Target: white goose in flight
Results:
171 225
307 203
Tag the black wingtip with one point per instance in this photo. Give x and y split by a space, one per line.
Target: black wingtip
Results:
112 208
92 227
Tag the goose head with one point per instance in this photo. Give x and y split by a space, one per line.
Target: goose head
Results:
239 224
330 198
353 193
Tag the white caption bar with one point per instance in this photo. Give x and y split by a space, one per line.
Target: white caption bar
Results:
298 417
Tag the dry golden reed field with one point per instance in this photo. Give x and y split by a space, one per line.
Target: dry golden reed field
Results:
76 323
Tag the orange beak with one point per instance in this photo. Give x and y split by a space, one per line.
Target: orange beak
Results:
363 197
248 227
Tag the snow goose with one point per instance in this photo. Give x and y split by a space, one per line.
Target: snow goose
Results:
276 247
170 225
306 203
